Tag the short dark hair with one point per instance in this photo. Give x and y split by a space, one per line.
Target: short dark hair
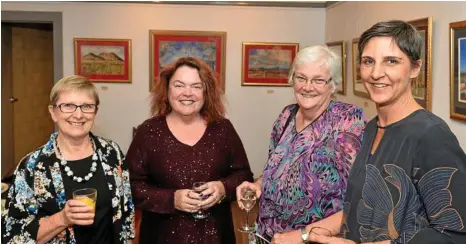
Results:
405 36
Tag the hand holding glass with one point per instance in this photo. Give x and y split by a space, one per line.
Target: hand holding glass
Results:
87 195
197 187
248 199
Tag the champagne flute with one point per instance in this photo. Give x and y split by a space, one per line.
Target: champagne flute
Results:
248 199
200 214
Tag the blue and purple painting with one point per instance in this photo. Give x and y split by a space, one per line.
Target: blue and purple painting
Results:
462 70
170 51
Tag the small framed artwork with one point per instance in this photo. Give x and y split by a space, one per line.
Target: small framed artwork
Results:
339 48
421 87
103 60
166 46
267 63
358 86
458 70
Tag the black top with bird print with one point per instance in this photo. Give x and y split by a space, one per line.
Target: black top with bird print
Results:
412 189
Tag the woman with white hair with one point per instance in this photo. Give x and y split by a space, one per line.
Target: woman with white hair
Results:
312 147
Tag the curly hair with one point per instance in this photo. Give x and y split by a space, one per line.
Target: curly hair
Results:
213 108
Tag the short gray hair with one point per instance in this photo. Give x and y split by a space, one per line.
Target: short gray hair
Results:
319 55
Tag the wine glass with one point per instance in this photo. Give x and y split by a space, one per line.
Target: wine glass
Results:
248 199
200 214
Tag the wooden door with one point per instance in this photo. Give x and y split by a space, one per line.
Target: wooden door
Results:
7 106
31 82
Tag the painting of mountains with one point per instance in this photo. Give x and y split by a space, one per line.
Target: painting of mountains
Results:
103 60
267 63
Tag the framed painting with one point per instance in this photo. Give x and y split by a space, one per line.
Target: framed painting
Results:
458 70
421 87
103 60
358 87
267 63
339 48
166 46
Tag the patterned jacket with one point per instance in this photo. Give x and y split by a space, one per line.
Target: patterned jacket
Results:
38 182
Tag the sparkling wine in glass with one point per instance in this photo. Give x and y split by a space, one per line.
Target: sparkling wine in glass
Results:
248 199
200 214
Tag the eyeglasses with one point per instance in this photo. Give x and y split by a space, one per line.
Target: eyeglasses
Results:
303 80
70 107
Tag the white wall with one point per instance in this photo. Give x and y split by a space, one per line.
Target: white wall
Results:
251 109
348 20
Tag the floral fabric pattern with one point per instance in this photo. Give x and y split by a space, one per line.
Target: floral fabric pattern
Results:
38 182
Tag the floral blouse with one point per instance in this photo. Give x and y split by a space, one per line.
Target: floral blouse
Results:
306 174
38 192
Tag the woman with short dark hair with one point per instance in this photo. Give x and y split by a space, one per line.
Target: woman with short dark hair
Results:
408 182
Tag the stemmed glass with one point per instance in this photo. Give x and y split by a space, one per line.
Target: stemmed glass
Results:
200 214
248 199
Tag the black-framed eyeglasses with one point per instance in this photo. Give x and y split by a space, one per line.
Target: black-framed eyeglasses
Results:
70 107
300 79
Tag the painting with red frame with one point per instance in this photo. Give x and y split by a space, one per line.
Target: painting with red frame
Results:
267 64
103 60
166 46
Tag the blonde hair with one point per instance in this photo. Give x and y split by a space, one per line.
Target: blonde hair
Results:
319 55
73 83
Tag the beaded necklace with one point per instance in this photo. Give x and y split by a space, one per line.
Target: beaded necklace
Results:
70 173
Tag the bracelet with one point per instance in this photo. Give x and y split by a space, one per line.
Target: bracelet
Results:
221 199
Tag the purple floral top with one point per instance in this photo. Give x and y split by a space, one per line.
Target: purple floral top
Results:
306 174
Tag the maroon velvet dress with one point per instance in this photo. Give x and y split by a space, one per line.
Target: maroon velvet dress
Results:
160 164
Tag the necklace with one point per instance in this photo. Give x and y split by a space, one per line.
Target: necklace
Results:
70 173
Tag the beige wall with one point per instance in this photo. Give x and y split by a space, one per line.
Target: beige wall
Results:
251 109
345 21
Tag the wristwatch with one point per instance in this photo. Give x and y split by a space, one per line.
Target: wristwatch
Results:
304 235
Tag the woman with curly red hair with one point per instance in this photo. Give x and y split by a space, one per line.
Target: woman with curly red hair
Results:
187 140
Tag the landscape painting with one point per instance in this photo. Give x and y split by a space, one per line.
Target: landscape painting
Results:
168 46
339 48
458 70
103 60
462 70
421 87
358 86
267 64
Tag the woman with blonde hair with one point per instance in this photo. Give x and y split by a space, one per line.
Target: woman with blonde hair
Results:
40 206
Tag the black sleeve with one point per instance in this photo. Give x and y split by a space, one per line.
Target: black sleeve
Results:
442 187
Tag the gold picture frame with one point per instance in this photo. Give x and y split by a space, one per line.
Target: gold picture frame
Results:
267 63
103 59
422 86
167 46
458 70
340 48
358 86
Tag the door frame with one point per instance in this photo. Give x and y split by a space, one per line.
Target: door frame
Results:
54 18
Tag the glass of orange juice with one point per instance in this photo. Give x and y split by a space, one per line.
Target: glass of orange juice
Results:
87 195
